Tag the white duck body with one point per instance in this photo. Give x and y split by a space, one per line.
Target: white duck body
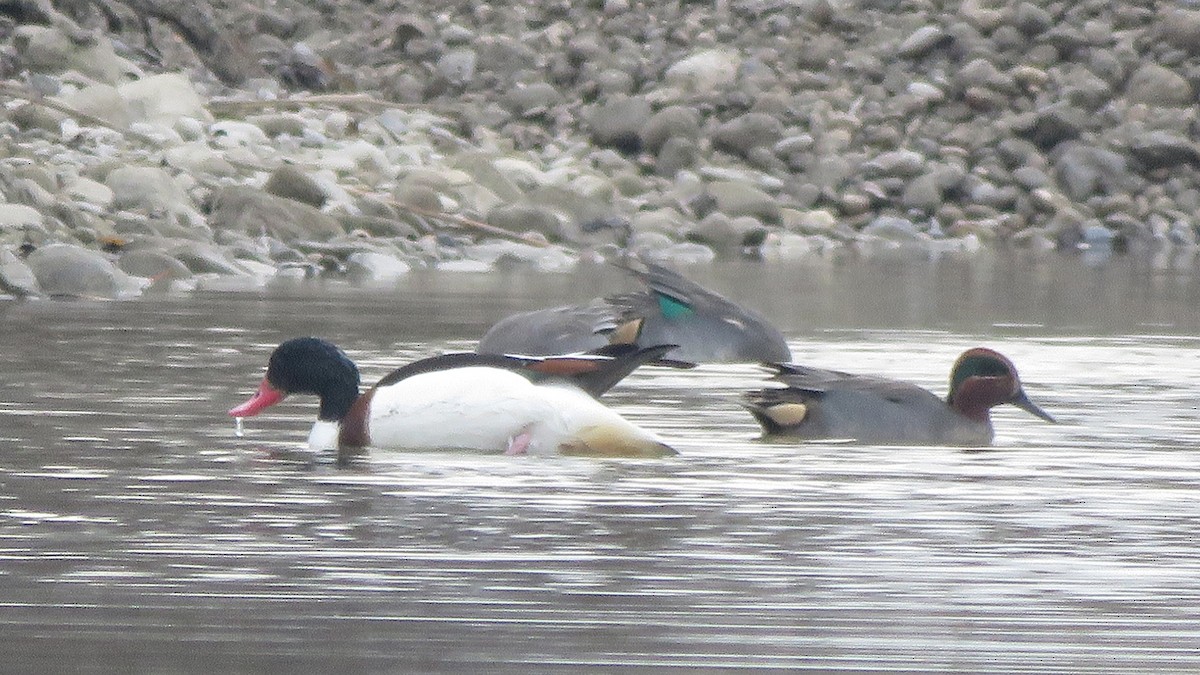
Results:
465 401
489 409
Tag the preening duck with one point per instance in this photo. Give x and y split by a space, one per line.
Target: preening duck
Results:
672 309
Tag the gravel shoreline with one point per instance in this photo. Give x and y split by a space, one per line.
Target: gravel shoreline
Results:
364 140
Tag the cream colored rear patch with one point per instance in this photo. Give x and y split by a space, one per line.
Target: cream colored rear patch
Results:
627 333
607 441
787 414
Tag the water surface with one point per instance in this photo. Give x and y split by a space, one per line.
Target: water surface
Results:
137 533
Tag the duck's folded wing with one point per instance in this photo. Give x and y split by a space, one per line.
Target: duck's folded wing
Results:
817 381
819 403
595 371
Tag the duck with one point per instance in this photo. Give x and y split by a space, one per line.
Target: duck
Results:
707 327
516 405
827 404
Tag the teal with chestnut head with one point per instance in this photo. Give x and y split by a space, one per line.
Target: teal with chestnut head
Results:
982 379
815 403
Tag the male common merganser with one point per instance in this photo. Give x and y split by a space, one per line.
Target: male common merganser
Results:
500 403
671 310
820 403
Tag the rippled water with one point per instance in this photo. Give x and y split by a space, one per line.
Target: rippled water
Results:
137 533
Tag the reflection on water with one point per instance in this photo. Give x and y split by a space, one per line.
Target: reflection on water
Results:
138 533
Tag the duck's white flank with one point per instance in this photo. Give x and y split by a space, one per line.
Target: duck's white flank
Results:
481 408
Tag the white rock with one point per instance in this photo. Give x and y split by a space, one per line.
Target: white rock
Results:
161 135
259 270
190 128
87 190
16 278
163 99
704 71
146 187
18 216
376 266
355 156
683 253
102 102
521 172
477 197
473 266
234 134
925 92
337 123
786 246
198 158
815 220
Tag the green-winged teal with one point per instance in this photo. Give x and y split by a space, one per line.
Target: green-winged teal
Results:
820 403
672 310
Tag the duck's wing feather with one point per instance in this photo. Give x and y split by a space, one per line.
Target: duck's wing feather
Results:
816 382
555 330
594 371
819 381
667 281
668 292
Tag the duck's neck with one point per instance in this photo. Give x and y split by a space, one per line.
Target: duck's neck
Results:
975 397
335 406
336 403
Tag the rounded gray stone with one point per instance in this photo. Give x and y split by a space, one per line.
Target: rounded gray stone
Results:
1158 149
66 270
922 41
676 155
746 132
1180 28
904 163
674 121
146 187
152 265
457 66
254 212
923 193
1085 170
292 183
619 122
16 277
531 99
740 199
520 218
1157 85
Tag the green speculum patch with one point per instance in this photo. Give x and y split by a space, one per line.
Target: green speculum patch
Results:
673 308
